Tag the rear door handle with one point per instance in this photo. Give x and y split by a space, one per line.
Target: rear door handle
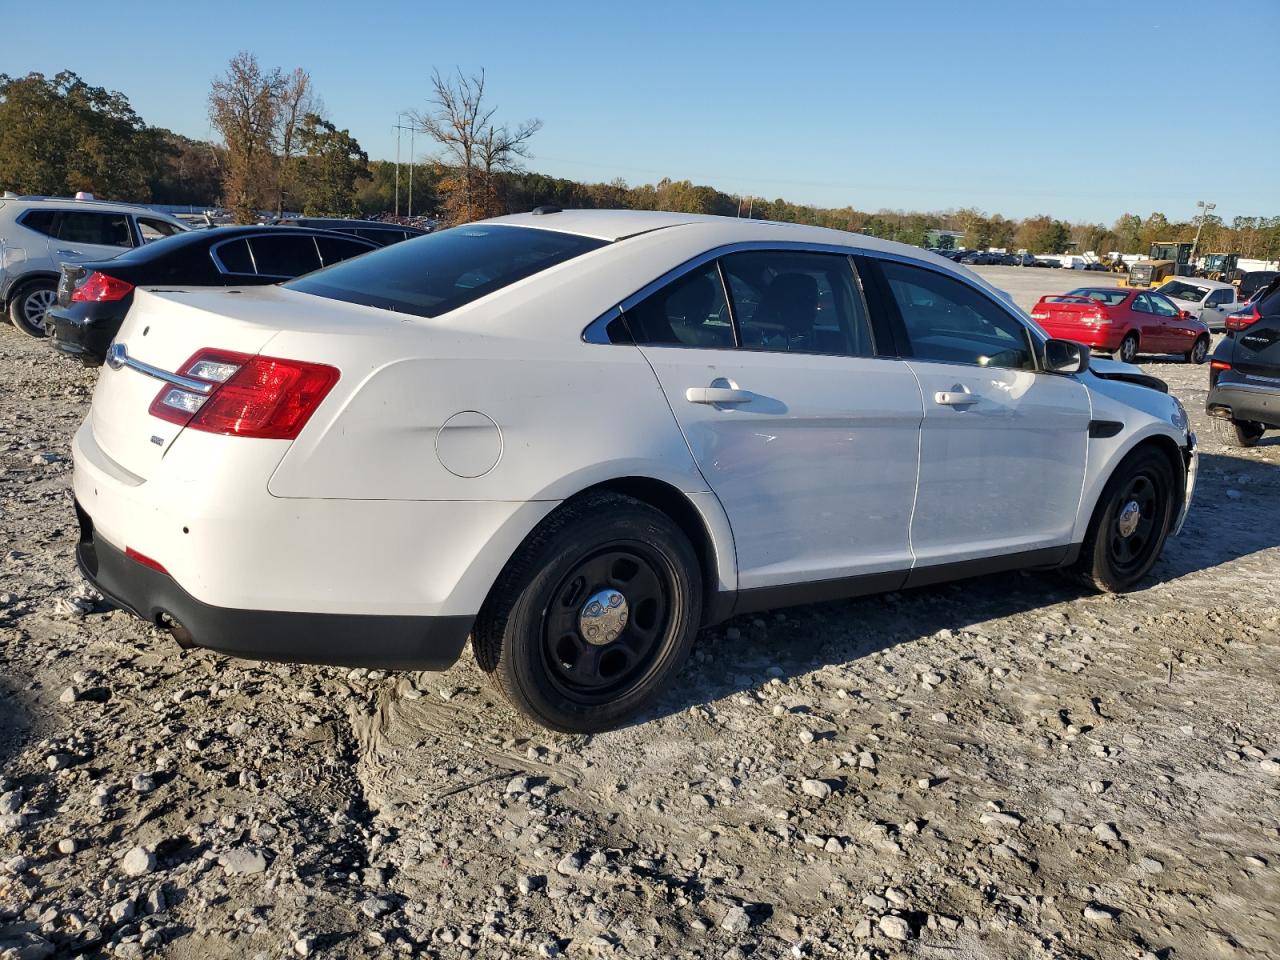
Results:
717 395
954 398
68 253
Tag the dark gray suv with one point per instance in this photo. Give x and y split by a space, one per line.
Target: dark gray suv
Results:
1244 372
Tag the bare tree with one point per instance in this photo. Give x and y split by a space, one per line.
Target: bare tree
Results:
297 99
244 108
475 148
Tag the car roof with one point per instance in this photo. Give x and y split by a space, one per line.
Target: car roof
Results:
64 202
620 224
342 221
1201 282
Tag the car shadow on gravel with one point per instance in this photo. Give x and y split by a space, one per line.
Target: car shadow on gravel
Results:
749 650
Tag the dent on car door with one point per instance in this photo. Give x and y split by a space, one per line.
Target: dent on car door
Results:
809 441
1003 446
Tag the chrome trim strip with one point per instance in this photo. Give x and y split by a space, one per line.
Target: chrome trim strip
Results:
118 357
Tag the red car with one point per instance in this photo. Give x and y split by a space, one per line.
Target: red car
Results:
1124 322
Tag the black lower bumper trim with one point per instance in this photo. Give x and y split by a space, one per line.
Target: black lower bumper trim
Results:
350 640
1260 406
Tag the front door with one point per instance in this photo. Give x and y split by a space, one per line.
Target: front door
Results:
1003 446
810 442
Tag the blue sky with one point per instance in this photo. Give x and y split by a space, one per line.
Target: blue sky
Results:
1012 107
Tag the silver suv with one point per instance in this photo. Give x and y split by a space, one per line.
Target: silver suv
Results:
39 234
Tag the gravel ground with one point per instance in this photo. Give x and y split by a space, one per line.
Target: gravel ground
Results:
1007 767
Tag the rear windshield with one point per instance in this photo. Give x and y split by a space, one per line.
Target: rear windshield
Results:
1184 291
442 271
1110 297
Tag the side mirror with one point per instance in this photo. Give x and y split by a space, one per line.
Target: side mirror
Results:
1186 315
1065 356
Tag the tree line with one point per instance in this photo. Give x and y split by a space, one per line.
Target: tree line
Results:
278 150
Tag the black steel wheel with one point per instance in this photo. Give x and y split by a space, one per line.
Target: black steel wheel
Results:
1131 521
593 615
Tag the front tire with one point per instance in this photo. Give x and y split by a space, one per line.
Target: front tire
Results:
1199 353
29 305
1130 523
593 616
1238 433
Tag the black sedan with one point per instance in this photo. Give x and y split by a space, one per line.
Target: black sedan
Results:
94 297
1244 372
383 234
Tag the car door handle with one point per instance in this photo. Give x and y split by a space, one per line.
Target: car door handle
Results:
69 253
954 398
717 395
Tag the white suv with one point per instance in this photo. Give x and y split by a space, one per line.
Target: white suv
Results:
39 234
580 436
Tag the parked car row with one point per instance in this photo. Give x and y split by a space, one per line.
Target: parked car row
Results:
370 464
69 266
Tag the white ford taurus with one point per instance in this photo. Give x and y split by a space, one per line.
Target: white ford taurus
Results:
577 437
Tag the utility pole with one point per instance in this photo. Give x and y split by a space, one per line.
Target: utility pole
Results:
397 130
1204 215
413 129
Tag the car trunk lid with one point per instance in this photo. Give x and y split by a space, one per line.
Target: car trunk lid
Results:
160 333
1069 311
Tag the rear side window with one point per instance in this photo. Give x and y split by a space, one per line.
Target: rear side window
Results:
948 321
691 311
443 271
41 221
284 256
795 302
334 250
102 229
234 257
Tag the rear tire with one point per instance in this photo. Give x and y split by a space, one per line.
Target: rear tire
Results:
1130 523
30 303
1238 433
535 634
1128 352
1199 352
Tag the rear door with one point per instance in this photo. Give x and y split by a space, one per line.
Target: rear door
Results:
84 235
1002 446
809 440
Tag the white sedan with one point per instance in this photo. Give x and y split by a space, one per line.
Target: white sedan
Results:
577 437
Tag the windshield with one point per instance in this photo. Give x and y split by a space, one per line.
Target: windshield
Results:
431 275
1184 291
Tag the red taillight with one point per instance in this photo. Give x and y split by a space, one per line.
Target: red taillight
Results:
1219 365
264 397
143 559
1243 318
98 288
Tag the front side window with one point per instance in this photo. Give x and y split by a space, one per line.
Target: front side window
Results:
284 256
691 311
101 229
443 271
151 229
797 302
1162 307
335 250
948 321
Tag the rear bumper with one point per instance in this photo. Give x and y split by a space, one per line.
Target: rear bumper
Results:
1245 401
86 338
363 640
1095 338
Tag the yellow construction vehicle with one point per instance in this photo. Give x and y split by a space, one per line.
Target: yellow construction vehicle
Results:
1166 260
1218 266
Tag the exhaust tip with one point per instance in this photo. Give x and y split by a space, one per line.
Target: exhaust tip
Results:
176 630
1219 411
